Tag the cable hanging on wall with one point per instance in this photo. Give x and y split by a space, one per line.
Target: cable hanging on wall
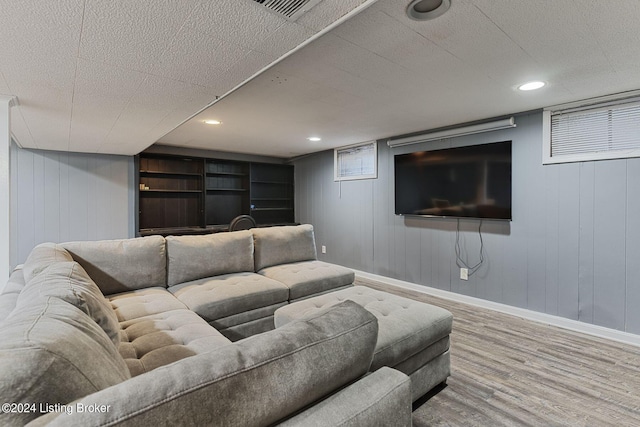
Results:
459 261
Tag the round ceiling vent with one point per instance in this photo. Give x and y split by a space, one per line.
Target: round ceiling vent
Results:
423 10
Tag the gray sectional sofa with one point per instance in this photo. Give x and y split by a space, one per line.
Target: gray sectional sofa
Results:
179 331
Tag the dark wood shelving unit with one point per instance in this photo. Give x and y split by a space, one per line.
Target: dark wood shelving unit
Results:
170 192
195 195
227 184
272 193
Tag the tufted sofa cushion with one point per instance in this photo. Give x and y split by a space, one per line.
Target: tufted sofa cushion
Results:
196 257
309 277
222 296
52 352
41 257
406 327
273 374
143 302
10 293
159 339
282 245
68 281
122 265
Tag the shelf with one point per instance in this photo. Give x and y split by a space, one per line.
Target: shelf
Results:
226 174
272 182
170 191
271 209
215 192
188 174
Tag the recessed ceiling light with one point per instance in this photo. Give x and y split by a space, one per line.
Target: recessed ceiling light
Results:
531 85
213 122
314 139
423 10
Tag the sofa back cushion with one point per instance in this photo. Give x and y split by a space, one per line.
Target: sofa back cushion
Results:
253 382
52 352
9 295
43 256
122 265
196 257
283 245
69 282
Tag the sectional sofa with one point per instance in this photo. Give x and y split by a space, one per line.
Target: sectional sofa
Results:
179 331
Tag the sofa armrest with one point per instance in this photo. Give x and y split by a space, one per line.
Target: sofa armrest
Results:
382 398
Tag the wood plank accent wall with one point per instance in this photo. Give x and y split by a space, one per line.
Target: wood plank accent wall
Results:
572 249
59 196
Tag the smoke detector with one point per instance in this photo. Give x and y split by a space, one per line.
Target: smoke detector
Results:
290 10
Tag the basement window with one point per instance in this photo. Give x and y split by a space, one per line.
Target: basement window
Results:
606 128
358 161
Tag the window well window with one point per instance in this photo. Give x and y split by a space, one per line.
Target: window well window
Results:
356 162
606 129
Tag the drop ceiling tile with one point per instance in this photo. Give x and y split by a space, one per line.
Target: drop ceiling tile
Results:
196 59
242 23
131 34
328 11
246 67
284 39
168 94
99 81
616 30
565 42
32 28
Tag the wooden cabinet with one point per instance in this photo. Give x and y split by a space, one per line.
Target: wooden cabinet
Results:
194 195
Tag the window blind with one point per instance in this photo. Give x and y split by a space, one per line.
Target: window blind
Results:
599 131
356 162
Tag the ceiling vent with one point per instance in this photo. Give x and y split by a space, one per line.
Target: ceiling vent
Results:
288 9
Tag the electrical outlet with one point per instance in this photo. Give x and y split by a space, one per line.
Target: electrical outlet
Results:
324 249
464 273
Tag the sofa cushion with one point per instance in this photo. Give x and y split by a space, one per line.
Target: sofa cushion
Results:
407 327
309 277
282 245
195 257
222 296
254 382
143 302
12 289
122 265
43 256
69 282
51 352
157 340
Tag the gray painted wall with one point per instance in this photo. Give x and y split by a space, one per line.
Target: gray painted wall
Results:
59 196
572 249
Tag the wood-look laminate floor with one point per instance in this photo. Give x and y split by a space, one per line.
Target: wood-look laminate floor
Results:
508 371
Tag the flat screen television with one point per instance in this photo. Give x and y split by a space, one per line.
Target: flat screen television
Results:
463 182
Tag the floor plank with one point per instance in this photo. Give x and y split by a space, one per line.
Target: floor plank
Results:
509 371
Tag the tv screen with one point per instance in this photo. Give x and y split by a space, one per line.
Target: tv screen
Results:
465 182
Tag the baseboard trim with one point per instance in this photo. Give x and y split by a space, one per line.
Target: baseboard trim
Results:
548 319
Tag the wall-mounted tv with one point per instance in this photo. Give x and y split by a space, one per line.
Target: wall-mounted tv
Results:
463 182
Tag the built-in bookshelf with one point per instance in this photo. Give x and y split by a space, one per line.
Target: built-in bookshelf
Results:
193 195
272 193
